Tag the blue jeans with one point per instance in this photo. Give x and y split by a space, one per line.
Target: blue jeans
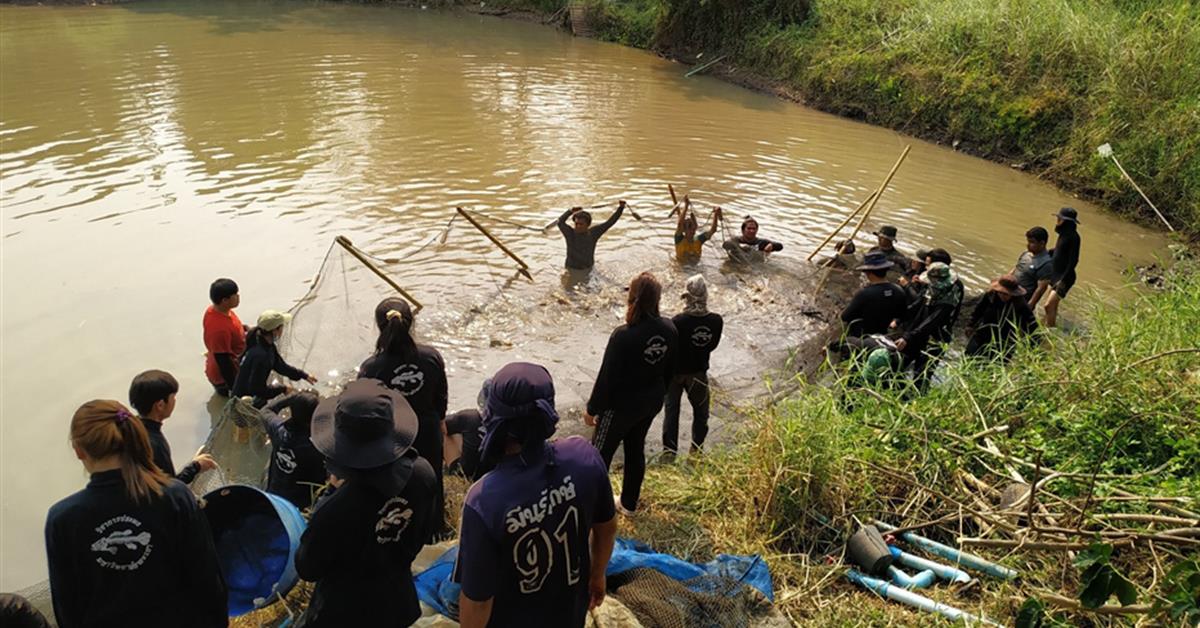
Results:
696 387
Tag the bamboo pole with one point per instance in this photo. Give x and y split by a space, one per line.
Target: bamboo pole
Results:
841 226
1106 151
523 269
879 192
351 249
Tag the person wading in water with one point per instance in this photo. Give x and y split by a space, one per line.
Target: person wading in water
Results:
537 531
582 238
1065 259
631 385
699 334
1034 266
688 244
132 548
418 372
886 244
748 247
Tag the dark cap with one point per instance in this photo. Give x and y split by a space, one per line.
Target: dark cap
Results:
875 261
1008 285
887 231
366 426
1068 213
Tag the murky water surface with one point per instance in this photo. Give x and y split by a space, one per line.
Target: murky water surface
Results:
147 149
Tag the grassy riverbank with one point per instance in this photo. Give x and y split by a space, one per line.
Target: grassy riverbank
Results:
1039 84
1113 410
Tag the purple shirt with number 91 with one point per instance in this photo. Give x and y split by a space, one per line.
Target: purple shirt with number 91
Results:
524 535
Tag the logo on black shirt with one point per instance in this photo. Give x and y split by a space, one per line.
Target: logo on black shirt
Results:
656 350
701 336
123 544
407 379
393 520
285 460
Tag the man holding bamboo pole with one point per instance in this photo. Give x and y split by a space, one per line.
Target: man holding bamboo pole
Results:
582 237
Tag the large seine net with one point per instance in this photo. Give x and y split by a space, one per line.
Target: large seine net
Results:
701 602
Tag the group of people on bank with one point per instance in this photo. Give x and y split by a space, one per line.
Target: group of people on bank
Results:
905 316
538 525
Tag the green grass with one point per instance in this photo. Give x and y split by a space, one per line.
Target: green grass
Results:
1111 402
1041 83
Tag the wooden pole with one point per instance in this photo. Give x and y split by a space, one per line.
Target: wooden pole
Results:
524 268
350 248
879 192
841 226
1139 191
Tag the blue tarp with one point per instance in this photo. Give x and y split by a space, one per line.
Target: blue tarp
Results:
435 588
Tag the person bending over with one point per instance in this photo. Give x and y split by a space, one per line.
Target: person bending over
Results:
224 336
631 385
538 530
463 434
688 244
361 540
699 334
582 237
297 469
152 394
1065 259
418 372
874 310
262 357
1034 266
1001 318
748 246
132 548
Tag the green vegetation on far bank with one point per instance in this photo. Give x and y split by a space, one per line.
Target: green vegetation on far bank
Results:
1036 83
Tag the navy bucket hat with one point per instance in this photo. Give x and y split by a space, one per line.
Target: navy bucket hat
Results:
367 426
521 395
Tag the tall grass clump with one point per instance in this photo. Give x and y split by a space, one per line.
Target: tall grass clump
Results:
1110 412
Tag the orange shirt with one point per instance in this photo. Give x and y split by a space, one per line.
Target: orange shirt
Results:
223 333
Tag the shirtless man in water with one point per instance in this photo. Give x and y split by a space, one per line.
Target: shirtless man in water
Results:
748 246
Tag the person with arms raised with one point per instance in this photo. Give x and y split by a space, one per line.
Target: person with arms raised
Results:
133 548
581 236
538 530
688 244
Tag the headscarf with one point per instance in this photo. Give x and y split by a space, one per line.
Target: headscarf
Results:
695 300
941 279
520 404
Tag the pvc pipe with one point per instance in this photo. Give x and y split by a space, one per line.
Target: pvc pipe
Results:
957 557
919 581
915 600
945 572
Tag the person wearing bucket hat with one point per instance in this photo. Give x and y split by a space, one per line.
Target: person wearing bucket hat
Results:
262 357
1064 259
877 305
886 244
133 547
361 540
418 372
538 530
1000 319
924 338
699 334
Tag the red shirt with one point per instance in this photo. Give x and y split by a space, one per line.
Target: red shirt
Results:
223 333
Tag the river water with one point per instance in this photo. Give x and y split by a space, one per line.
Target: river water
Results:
149 148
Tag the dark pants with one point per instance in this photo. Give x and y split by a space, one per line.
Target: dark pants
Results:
629 429
696 386
429 444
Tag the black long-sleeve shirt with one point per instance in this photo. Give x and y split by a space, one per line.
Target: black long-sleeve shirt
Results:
581 247
638 363
1066 254
114 562
698 338
296 468
358 549
873 309
162 453
934 322
996 321
255 371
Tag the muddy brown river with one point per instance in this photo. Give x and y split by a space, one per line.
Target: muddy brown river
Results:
149 148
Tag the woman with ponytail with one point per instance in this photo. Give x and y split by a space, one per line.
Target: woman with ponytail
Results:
418 372
132 548
639 362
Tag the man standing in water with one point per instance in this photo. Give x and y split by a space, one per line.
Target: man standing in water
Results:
224 336
1034 266
582 238
1065 259
748 246
538 530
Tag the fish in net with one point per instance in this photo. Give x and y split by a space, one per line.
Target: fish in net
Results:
706 601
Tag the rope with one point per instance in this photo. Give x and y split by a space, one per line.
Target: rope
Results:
506 221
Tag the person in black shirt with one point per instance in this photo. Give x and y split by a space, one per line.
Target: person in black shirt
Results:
1065 259
873 311
417 372
885 242
262 357
297 469
699 333
582 238
924 338
152 394
18 612
133 547
463 437
361 539
1000 319
748 247
631 385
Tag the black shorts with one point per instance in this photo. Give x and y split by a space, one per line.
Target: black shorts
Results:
1063 286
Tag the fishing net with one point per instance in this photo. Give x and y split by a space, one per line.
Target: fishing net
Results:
707 601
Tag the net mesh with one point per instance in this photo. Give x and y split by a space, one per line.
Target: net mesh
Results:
700 602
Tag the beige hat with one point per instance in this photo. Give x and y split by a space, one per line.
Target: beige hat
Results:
271 320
